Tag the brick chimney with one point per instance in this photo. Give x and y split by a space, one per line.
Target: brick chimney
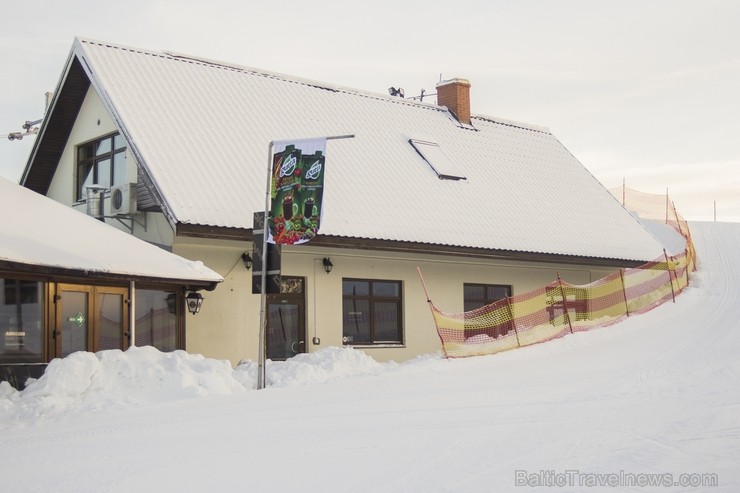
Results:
455 94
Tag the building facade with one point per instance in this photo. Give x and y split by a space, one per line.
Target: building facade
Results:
482 207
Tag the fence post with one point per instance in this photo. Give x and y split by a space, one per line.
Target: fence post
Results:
565 307
667 202
513 322
678 222
432 309
624 292
670 279
687 265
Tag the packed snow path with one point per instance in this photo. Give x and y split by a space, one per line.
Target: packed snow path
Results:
658 393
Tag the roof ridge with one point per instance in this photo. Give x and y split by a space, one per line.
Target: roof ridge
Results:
264 73
513 123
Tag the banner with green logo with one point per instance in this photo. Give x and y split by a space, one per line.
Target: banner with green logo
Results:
296 190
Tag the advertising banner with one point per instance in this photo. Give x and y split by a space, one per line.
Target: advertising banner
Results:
296 191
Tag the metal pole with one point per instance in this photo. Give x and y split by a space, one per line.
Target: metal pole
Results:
132 314
263 281
263 277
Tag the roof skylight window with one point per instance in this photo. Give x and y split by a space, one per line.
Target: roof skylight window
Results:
437 160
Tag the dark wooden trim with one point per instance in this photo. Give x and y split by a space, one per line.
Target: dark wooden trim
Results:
471 252
213 232
55 130
329 241
67 275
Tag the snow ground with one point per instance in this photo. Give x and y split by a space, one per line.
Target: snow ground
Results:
656 394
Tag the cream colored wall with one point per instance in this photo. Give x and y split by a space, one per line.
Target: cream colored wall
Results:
93 121
227 326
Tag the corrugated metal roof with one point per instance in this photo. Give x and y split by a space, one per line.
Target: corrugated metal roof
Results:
202 131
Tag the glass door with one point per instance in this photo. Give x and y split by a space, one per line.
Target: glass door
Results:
111 319
89 318
72 332
286 328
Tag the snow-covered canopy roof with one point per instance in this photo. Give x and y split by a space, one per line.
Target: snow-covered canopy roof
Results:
39 234
200 131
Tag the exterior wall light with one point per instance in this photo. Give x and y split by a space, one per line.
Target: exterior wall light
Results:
327 265
194 301
247 260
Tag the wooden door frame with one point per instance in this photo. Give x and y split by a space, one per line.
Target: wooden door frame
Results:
54 339
296 298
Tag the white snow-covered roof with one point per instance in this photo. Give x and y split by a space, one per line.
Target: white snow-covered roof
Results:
37 231
201 130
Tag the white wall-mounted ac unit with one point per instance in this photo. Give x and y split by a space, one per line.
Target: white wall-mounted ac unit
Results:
123 199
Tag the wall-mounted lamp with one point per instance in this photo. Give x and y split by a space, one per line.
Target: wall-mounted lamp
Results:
247 260
194 301
327 265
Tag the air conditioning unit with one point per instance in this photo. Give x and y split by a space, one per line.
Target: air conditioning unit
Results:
123 199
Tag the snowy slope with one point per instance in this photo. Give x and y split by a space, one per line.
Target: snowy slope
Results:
657 394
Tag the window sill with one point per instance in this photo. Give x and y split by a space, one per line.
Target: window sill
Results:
372 346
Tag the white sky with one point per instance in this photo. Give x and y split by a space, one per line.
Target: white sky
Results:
641 90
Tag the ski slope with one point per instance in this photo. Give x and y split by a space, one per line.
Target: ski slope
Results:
653 399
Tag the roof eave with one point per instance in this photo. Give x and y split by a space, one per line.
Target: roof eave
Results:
56 127
68 274
336 241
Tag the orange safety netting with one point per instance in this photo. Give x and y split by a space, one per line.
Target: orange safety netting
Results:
560 308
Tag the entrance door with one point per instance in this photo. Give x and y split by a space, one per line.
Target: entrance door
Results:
89 318
110 326
73 315
286 328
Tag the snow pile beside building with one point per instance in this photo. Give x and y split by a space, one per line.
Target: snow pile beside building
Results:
145 376
331 363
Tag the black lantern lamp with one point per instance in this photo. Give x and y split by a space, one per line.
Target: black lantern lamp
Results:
194 301
327 265
247 260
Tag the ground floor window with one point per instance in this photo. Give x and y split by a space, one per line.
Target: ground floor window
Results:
371 312
21 321
40 321
478 295
481 320
156 319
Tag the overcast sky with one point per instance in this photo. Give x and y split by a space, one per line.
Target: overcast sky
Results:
640 90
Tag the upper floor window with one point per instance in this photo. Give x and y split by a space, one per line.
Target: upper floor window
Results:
371 312
101 162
